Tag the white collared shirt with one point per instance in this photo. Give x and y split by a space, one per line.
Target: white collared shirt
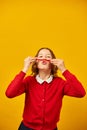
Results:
39 80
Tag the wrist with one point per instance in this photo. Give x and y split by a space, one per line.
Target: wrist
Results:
63 70
25 70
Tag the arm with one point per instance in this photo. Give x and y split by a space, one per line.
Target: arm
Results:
72 86
16 87
18 84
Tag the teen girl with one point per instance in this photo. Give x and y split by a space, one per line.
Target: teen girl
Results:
44 90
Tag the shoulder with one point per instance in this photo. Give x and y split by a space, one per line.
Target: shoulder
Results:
58 79
29 77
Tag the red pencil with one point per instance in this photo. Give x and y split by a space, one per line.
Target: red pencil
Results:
40 59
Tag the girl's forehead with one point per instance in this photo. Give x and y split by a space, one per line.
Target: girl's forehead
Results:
46 51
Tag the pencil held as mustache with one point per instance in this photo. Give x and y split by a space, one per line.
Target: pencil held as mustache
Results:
43 59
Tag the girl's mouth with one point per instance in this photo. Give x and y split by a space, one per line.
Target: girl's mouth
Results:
44 62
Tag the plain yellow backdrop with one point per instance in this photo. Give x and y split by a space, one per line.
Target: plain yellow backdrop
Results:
26 26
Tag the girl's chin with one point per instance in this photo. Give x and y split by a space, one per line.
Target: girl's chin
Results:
43 68
46 69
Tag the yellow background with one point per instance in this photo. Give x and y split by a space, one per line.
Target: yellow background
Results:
25 26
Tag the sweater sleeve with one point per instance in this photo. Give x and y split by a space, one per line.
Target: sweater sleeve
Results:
73 86
17 86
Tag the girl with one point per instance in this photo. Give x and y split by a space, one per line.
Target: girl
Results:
44 90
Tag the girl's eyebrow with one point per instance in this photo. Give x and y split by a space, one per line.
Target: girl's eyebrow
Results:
46 54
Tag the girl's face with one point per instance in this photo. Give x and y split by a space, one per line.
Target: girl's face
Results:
43 59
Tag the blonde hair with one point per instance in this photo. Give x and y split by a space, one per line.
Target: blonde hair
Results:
54 68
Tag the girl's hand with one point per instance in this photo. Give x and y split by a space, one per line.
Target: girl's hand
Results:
27 62
59 63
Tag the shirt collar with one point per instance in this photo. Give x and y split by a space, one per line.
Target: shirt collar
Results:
39 80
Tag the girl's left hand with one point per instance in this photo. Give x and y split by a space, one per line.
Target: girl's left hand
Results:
59 63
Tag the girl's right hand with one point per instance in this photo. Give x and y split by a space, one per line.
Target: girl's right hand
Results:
27 62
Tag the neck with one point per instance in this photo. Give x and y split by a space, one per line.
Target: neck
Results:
44 74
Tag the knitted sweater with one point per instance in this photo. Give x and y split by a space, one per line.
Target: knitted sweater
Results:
43 102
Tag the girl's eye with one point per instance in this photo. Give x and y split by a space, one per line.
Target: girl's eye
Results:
40 56
48 56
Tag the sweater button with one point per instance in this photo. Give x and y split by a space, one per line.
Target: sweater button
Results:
43 99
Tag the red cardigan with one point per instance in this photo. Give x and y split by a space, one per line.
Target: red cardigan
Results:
43 101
